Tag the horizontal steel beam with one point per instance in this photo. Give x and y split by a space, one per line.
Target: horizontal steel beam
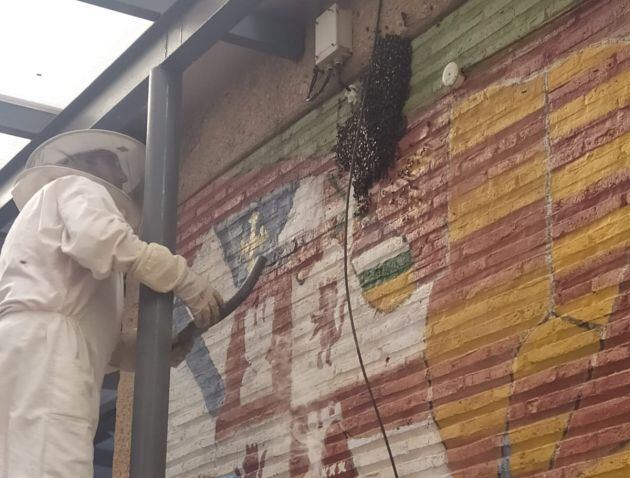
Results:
275 36
179 37
147 9
269 35
22 120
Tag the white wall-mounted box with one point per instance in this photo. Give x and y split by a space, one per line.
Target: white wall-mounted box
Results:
333 36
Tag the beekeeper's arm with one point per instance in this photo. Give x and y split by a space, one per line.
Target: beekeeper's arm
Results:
97 236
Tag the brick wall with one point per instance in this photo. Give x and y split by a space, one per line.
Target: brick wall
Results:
489 282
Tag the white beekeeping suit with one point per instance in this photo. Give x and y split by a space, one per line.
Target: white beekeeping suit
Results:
61 297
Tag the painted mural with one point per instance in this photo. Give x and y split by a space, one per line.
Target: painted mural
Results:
545 172
489 285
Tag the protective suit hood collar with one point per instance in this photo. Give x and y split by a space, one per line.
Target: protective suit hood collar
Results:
32 180
99 155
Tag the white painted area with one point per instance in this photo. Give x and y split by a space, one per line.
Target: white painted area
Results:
312 439
398 336
53 49
209 458
257 380
418 450
190 427
210 263
307 212
388 341
10 146
380 253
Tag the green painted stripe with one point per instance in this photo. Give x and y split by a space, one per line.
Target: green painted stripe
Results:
385 271
496 25
475 31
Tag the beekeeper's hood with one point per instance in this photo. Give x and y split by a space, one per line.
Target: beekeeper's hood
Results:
112 159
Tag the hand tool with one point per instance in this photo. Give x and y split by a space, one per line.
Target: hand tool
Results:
189 331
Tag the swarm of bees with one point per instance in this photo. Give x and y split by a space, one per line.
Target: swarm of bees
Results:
380 127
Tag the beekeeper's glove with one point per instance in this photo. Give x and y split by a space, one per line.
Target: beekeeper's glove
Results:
163 271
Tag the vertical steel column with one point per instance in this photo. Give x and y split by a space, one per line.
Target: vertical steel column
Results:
150 403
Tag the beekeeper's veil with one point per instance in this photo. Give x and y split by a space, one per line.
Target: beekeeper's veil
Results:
112 159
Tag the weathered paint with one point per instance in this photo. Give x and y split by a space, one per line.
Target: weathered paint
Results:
200 363
490 284
477 30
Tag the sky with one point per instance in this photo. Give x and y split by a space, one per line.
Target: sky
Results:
51 50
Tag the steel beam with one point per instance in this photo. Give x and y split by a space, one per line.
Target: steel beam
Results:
183 33
274 36
147 9
155 318
223 19
23 120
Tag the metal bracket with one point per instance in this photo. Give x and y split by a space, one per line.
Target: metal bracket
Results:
22 120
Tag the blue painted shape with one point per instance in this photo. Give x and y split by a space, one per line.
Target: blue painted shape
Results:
271 215
200 363
268 216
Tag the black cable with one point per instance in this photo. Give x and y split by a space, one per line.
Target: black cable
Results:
345 246
311 88
324 84
340 81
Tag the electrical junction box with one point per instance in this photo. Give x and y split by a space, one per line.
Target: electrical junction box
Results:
333 36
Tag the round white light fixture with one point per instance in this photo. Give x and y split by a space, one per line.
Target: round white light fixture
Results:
452 76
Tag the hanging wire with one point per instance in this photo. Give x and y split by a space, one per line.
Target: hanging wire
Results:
340 82
311 87
312 94
345 248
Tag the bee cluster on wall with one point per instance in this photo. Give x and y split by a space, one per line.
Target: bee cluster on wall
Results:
381 125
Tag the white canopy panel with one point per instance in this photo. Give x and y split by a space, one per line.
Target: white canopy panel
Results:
53 49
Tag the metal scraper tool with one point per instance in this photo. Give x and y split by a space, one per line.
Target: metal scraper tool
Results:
230 306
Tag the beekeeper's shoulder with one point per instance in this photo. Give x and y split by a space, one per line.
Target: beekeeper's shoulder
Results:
76 184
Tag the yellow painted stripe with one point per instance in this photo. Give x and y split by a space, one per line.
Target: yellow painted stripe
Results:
601 100
613 466
388 296
530 461
535 356
475 415
598 237
533 445
548 333
514 320
497 198
591 57
482 425
484 114
529 288
538 433
472 406
595 307
600 163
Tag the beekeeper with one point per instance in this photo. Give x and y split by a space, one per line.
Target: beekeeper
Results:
61 297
